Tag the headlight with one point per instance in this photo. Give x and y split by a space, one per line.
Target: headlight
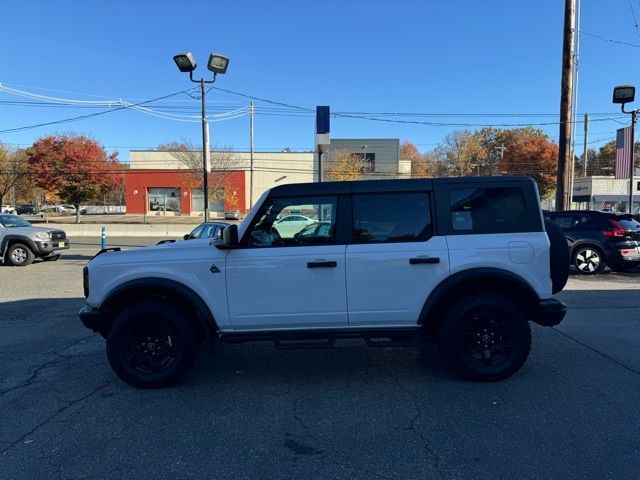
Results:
42 236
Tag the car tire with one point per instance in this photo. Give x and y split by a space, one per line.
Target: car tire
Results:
18 255
559 258
588 260
485 337
152 344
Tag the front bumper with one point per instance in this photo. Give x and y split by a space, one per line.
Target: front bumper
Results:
92 318
49 246
550 312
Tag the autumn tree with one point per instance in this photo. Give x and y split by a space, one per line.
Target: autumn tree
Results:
343 165
421 164
461 152
75 168
535 157
14 171
223 163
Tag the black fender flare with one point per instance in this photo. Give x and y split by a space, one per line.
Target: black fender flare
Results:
477 277
156 285
20 238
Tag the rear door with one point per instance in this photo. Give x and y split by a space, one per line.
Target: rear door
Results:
394 260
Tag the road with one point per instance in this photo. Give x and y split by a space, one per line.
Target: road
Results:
251 411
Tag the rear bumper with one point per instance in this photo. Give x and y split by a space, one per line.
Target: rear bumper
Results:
550 312
92 318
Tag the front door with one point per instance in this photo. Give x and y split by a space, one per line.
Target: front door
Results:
395 261
289 279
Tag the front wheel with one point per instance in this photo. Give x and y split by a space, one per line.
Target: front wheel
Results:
485 337
588 260
152 344
19 255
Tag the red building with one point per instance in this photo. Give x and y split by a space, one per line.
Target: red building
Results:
167 192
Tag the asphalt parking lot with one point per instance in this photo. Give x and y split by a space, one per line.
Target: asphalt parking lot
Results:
251 411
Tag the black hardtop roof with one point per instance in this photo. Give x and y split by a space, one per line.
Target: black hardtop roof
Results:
393 185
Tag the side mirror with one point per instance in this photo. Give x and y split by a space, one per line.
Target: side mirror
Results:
229 237
187 236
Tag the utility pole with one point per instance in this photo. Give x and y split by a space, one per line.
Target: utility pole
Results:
585 160
634 115
566 107
251 155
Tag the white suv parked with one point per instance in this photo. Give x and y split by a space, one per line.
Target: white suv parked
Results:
465 262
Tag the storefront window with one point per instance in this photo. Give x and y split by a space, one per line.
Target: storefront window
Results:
164 200
216 201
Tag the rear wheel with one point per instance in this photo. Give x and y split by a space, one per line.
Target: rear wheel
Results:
152 344
19 255
588 260
485 337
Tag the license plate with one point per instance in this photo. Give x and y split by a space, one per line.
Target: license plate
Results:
61 244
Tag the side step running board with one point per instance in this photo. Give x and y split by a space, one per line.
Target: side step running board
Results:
310 339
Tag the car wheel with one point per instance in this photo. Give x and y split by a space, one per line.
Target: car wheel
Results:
485 337
152 344
588 260
51 258
19 255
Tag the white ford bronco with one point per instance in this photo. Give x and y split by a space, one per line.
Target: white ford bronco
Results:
466 262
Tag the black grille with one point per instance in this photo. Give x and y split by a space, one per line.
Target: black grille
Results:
58 235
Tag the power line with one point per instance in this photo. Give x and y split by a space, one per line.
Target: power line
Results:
635 21
82 117
609 40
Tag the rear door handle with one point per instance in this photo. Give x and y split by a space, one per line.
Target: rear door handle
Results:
322 264
417 260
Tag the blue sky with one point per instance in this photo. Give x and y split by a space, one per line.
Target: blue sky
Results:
449 57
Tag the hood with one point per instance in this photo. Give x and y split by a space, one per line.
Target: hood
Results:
180 251
28 231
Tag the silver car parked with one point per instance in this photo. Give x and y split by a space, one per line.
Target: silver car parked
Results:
21 242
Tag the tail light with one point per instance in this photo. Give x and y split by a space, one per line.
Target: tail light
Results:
85 281
617 232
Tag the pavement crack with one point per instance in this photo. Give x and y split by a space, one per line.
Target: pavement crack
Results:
602 354
34 374
58 412
412 427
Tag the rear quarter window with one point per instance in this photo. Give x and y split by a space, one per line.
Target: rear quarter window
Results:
489 210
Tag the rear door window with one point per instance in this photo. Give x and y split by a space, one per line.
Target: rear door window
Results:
489 210
391 217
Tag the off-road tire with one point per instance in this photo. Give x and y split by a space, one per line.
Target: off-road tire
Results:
133 326
463 339
559 258
18 255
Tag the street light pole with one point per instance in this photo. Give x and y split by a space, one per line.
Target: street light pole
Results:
216 64
206 151
624 94
634 115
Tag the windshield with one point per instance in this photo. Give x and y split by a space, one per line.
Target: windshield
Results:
12 221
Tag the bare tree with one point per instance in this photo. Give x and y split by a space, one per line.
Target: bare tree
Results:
14 170
223 163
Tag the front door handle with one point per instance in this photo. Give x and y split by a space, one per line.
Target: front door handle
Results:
417 260
322 264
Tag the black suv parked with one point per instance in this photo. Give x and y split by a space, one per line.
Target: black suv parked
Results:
599 239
